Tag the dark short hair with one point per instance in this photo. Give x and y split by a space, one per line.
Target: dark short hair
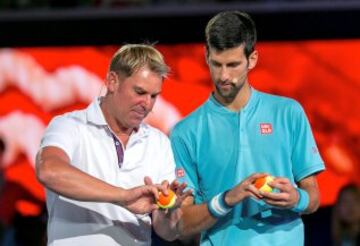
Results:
231 29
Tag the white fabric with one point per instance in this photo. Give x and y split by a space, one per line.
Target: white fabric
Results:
85 136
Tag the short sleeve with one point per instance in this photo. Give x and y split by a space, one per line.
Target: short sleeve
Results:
62 132
186 170
169 163
305 156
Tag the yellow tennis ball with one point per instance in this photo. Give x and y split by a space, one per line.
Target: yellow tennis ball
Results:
262 183
168 201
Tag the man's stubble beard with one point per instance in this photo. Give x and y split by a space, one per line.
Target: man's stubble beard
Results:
232 93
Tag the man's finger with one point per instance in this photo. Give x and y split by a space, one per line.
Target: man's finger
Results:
147 180
155 191
174 185
281 180
165 184
254 191
162 188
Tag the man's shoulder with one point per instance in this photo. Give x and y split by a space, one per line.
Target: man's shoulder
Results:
279 100
275 98
72 117
191 119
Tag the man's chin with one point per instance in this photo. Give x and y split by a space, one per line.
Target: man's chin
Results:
227 94
135 123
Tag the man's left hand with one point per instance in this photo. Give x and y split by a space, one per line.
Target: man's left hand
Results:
286 195
165 221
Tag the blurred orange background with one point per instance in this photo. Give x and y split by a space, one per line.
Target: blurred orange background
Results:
323 76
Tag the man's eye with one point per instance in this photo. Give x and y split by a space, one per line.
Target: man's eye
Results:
233 65
216 65
140 92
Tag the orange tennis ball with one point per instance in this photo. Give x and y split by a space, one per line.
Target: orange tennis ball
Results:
262 183
168 201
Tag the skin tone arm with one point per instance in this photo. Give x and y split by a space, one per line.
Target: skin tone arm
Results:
54 171
196 218
311 186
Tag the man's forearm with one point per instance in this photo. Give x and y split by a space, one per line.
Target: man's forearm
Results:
195 219
309 184
57 175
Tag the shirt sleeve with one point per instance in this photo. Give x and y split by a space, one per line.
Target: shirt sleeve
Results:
62 132
169 163
305 156
186 170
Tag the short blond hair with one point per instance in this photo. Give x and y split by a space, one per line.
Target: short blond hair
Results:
131 57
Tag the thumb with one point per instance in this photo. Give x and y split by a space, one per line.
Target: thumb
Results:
147 180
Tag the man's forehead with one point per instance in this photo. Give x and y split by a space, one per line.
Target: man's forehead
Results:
144 73
238 50
145 80
227 57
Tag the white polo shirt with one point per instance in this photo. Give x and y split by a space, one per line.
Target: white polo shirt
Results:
86 138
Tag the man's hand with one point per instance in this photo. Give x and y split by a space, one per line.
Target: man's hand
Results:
141 199
287 196
179 191
165 221
243 190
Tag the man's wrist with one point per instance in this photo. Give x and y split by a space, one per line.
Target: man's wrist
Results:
226 200
218 207
119 196
303 201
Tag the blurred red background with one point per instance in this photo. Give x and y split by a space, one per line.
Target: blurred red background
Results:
323 76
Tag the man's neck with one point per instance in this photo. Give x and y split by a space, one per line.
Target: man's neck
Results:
117 128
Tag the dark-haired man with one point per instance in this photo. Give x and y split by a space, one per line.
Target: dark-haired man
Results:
238 135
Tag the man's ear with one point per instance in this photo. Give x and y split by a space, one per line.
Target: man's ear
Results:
207 55
112 81
253 58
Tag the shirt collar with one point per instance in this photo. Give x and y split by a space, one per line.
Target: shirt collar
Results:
95 115
217 106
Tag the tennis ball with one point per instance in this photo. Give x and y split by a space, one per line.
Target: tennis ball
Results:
168 201
262 183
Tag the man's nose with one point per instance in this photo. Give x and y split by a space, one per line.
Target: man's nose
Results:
147 101
224 74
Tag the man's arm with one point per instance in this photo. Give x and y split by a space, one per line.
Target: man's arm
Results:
310 185
54 171
197 218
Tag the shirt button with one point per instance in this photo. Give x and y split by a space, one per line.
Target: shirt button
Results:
117 143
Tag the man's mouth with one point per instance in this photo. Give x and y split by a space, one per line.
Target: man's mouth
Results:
140 113
226 85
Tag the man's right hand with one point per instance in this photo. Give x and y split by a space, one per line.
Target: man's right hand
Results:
243 190
141 199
